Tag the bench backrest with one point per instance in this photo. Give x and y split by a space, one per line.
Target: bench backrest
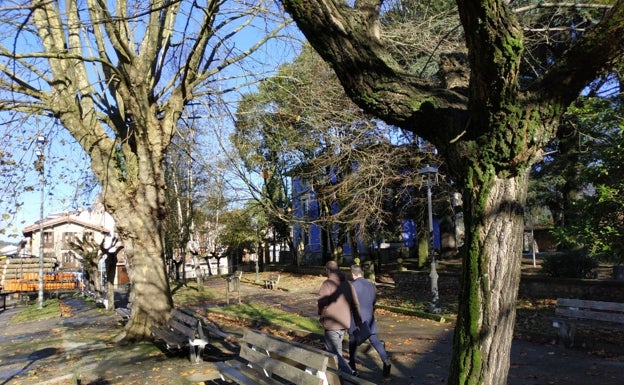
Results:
274 278
281 358
186 324
592 310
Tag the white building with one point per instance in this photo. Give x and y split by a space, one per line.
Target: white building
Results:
60 229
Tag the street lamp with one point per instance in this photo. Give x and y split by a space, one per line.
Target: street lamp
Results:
39 166
430 176
254 223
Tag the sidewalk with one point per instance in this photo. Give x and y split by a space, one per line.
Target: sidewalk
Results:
81 343
420 349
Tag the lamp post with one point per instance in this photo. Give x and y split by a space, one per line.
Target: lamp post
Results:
429 175
254 223
39 166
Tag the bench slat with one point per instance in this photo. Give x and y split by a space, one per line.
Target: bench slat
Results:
332 372
597 305
263 355
590 310
272 282
293 352
182 328
183 317
182 331
591 315
243 375
173 340
261 361
214 331
571 312
124 312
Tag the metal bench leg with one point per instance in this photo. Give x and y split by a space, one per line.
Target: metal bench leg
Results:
193 354
200 354
566 334
196 353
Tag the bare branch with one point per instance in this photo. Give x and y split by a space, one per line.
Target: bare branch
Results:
538 5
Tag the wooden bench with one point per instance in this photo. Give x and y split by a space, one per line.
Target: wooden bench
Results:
183 330
269 360
124 313
571 312
238 274
272 281
3 298
333 375
234 280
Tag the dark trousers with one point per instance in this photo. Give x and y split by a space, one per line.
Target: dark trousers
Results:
374 341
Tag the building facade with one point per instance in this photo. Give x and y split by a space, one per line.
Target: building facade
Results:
59 230
313 242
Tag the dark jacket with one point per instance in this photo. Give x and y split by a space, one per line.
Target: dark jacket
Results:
366 293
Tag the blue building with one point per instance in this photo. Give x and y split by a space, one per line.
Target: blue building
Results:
314 242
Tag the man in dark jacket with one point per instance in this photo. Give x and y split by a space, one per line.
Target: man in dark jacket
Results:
366 293
337 306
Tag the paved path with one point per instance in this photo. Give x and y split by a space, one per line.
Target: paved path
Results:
420 349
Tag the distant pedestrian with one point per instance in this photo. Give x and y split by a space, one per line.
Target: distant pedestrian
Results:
366 293
337 307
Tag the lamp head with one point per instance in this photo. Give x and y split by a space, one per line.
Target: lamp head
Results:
428 170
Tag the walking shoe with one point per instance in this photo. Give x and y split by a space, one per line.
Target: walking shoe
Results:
386 368
354 371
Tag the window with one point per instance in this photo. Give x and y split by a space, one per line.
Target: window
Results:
68 258
48 239
87 236
68 237
305 207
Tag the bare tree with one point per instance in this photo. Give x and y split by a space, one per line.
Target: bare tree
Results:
110 248
510 87
179 222
118 76
300 124
88 253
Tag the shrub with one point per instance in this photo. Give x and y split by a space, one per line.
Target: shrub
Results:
574 264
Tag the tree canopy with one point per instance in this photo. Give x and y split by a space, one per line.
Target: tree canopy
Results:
591 190
492 107
119 76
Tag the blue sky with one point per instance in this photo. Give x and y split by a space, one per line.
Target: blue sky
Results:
66 163
66 168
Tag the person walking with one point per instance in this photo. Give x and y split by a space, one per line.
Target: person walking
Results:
366 293
338 307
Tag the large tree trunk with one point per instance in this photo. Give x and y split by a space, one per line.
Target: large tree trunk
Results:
138 223
490 279
490 129
149 280
111 272
120 86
